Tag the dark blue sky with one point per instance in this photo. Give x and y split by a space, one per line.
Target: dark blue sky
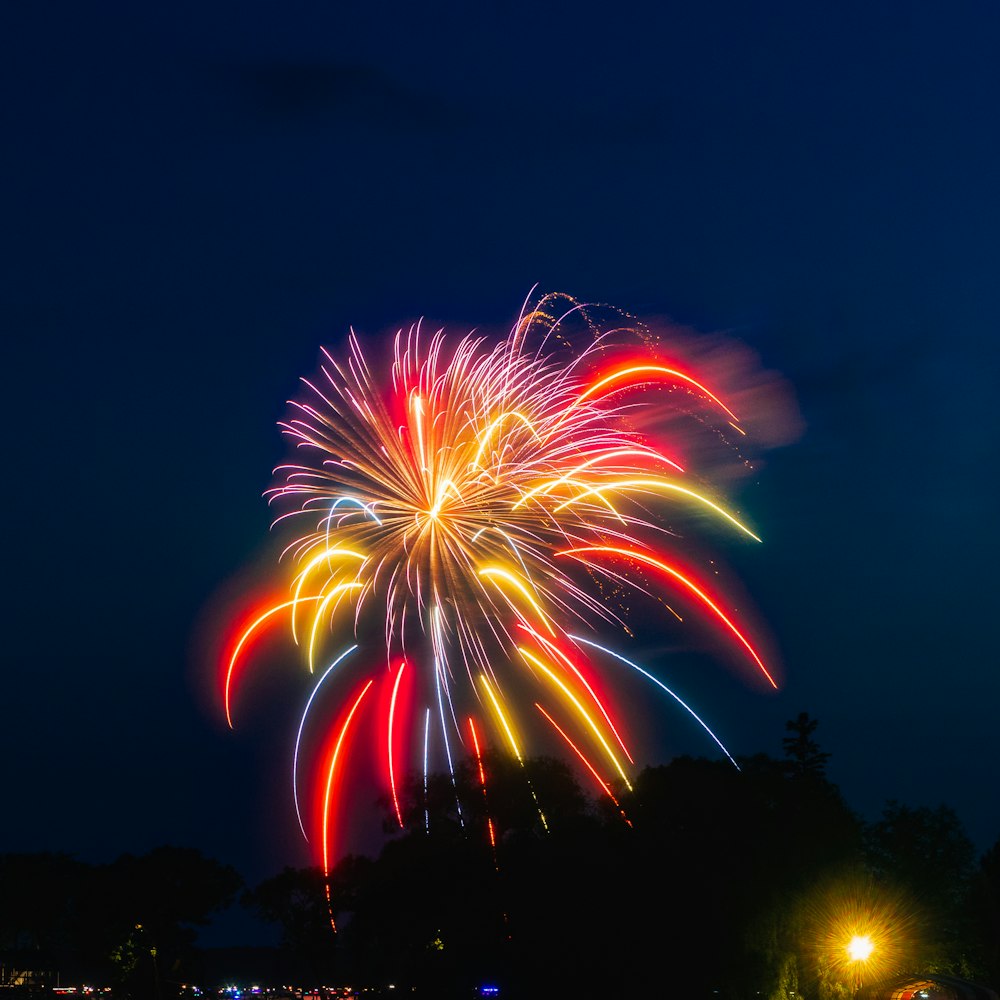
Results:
198 196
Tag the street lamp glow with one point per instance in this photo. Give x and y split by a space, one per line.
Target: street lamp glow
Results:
860 948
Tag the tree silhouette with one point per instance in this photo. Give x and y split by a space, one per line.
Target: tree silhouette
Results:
804 757
132 922
295 900
985 911
926 853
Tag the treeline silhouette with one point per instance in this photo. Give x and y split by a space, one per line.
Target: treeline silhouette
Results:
703 879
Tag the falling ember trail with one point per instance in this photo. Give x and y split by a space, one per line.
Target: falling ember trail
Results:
327 800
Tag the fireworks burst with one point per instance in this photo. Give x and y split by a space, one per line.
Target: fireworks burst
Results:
463 520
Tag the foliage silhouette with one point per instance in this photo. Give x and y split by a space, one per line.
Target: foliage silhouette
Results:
804 757
730 883
131 923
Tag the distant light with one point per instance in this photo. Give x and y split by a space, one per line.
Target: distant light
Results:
860 947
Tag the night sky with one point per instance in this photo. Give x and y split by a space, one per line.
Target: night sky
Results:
197 196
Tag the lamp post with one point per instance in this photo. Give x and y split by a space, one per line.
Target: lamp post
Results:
859 949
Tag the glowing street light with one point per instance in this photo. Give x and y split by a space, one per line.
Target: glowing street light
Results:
858 950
